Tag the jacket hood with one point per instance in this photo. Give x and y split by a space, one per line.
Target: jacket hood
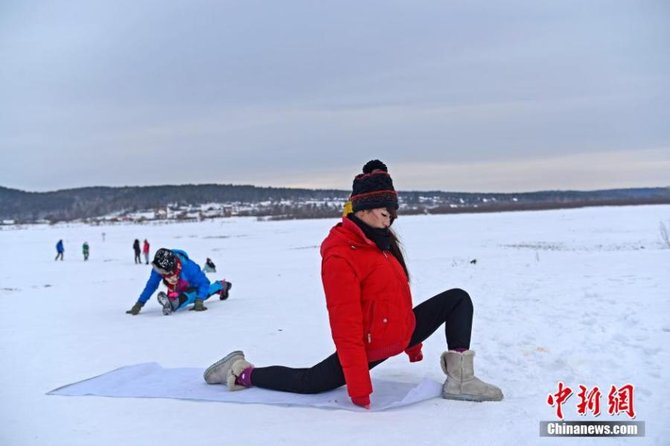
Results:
345 233
180 253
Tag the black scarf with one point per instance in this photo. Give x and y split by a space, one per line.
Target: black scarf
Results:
380 236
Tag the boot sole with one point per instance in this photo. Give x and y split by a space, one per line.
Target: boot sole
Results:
468 397
165 302
218 363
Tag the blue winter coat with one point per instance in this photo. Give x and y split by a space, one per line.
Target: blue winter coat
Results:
59 246
190 272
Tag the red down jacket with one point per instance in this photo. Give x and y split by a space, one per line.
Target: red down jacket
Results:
369 303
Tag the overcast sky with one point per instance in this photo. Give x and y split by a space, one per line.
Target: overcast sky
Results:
496 96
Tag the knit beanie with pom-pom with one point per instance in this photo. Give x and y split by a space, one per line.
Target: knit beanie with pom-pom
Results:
373 188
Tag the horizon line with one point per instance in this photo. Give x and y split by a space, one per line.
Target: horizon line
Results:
329 189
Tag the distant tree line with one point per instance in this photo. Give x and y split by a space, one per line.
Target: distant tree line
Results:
90 202
270 202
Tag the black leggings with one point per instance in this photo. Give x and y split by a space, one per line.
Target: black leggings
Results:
452 308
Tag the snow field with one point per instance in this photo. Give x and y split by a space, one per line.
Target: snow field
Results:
579 296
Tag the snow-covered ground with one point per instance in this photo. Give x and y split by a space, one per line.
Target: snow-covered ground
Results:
579 296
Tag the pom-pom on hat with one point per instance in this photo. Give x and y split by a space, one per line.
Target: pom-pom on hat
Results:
373 188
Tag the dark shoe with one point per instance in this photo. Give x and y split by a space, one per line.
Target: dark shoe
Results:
223 294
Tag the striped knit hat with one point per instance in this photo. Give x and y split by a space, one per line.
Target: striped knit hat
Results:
373 188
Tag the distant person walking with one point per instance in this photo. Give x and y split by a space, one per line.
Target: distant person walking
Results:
85 250
60 249
136 248
145 251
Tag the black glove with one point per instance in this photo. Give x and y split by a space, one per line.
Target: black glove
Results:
136 309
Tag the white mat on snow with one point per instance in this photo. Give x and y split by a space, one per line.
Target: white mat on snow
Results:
150 380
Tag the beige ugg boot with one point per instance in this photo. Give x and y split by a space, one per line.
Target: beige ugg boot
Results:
227 369
461 383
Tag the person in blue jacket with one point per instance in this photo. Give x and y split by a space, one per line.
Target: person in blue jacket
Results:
185 281
59 250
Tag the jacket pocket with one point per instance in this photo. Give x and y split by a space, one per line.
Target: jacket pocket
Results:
377 330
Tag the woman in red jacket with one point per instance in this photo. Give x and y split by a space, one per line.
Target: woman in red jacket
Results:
366 284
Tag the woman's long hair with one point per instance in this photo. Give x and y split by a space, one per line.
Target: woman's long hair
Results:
395 243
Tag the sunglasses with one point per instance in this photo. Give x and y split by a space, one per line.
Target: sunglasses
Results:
161 271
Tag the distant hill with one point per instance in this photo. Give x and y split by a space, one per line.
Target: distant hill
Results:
225 200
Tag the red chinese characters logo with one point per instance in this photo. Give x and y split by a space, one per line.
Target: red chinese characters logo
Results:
557 399
619 400
588 401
